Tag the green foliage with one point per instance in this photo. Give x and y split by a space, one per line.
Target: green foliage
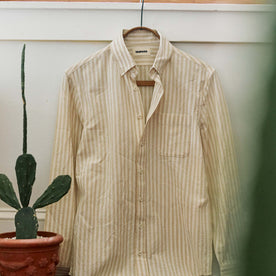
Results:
7 193
26 223
59 187
259 252
25 172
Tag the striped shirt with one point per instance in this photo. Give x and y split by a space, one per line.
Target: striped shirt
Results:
155 186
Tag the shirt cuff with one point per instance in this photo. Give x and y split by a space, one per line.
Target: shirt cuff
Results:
230 270
62 271
233 269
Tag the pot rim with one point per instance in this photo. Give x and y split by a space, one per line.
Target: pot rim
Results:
49 239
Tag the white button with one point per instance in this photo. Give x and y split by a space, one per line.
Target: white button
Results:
140 253
140 225
141 171
141 144
139 117
141 199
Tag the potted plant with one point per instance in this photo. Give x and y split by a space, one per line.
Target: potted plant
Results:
28 251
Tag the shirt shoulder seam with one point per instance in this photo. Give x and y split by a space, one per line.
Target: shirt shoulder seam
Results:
87 60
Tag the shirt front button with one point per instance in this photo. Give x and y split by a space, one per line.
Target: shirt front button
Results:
141 171
139 117
140 253
141 226
141 199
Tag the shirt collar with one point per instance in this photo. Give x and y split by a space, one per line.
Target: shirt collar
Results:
126 61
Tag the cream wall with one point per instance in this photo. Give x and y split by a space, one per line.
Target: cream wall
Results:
235 39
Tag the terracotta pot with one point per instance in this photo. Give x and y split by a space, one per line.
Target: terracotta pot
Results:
28 257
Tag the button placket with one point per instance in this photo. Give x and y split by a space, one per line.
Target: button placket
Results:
139 108
140 179
141 212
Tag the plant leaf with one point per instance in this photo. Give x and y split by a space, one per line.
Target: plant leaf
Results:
7 193
25 172
59 187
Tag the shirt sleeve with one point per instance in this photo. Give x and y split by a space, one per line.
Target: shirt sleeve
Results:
222 173
60 215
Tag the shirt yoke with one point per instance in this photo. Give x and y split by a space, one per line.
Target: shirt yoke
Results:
87 60
195 60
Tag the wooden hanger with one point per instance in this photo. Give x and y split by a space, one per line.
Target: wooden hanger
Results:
141 28
143 82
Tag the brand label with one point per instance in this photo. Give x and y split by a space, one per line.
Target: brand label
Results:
141 51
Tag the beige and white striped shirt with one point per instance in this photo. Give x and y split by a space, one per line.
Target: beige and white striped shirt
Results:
154 174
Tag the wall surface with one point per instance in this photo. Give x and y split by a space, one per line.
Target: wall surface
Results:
235 39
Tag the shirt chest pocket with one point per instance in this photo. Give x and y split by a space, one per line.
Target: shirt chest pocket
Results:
174 135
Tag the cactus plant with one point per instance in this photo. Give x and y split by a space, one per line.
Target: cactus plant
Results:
26 222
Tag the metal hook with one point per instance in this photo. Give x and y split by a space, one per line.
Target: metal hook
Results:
142 12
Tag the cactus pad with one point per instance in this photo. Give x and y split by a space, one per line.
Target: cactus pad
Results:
7 193
26 223
25 172
59 187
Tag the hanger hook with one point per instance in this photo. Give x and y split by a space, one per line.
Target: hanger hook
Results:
142 13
